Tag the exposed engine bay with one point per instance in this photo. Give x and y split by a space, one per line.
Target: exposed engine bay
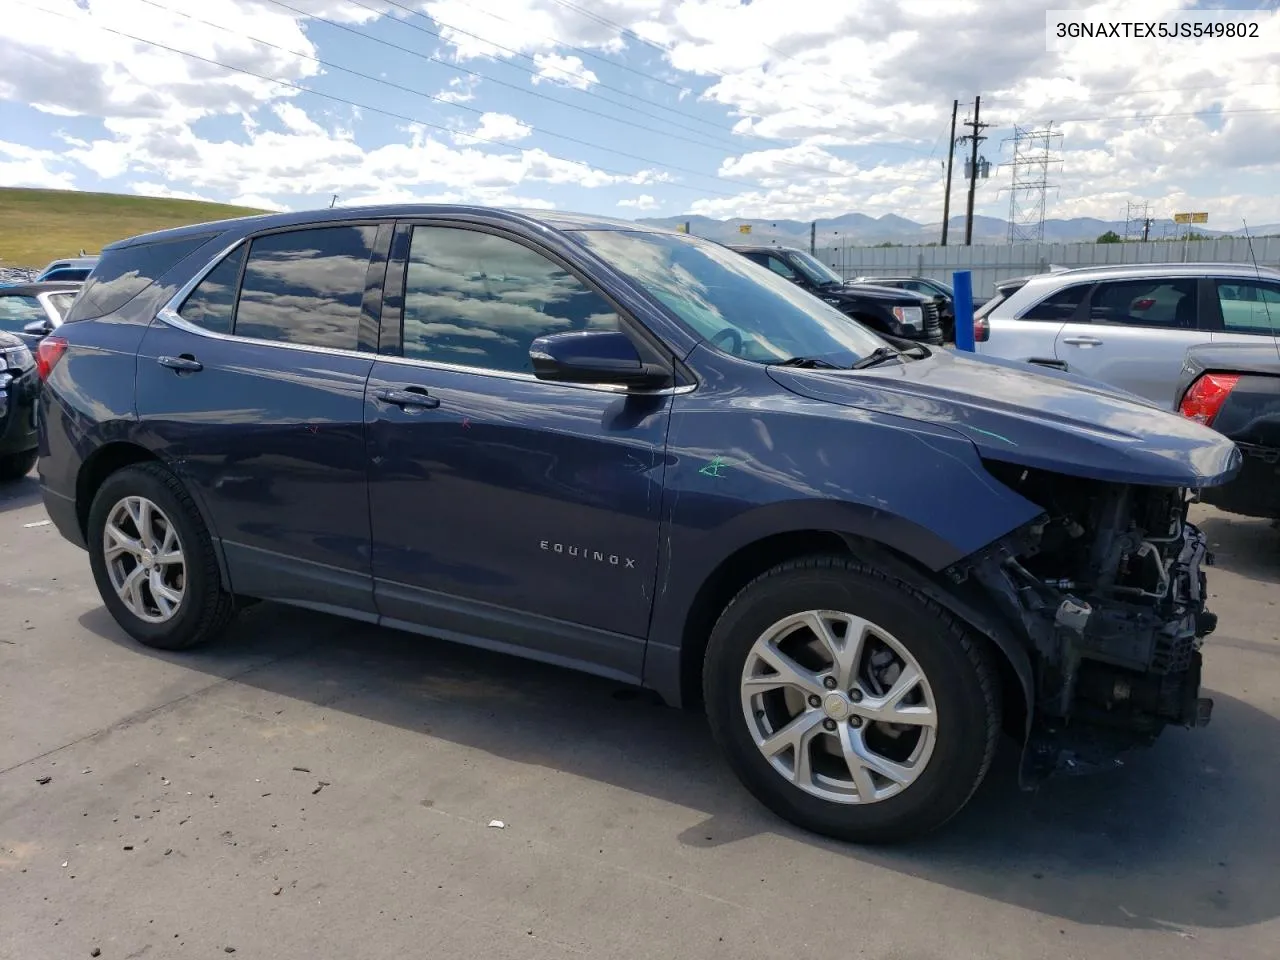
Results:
1109 590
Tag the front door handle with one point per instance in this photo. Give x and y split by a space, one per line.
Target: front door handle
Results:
408 397
1082 341
185 363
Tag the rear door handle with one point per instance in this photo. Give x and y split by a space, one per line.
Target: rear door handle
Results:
186 362
1082 341
408 397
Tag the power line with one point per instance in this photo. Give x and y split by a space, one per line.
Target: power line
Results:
458 106
357 104
631 34
433 33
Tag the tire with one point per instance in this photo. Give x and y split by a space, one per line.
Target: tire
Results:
15 466
944 764
203 609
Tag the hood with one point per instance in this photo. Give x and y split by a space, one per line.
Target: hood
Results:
1034 417
868 291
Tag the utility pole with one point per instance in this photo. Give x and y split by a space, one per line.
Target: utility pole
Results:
951 154
1029 184
974 138
333 202
813 238
1146 228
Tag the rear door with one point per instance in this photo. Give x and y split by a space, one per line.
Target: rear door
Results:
254 391
1244 311
1133 334
1030 335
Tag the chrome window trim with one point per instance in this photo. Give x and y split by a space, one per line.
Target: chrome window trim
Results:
169 315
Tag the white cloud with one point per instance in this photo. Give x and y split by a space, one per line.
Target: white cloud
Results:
642 202
566 71
495 126
22 166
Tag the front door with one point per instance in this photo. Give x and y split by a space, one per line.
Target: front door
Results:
508 510
255 393
1133 334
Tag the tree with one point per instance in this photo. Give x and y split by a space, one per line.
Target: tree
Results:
1110 237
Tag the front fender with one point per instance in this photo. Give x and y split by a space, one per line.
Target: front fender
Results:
746 463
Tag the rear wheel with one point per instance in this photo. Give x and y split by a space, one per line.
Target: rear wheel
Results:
849 703
153 560
15 466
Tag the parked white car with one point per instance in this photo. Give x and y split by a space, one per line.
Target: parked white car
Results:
1128 325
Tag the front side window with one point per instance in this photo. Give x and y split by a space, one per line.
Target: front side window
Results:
17 311
753 314
818 272
780 268
1161 303
1250 306
1060 306
479 300
306 286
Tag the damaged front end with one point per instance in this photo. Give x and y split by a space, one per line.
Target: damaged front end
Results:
1108 588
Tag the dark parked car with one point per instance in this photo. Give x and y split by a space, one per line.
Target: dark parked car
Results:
33 310
612 448
19 387
1235 388
897 313
929 287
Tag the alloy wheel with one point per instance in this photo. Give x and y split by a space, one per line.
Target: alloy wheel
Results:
839 707
144 559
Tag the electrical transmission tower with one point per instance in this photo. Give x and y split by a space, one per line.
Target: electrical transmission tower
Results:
1032 156
1137 221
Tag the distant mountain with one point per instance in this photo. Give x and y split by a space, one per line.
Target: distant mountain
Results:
858 229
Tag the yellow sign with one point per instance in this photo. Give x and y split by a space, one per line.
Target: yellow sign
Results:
1191 218
682 228
744 228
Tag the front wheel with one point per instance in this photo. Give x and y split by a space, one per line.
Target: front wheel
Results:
154 561
850 704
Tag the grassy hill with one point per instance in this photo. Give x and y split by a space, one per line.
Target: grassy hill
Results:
37 226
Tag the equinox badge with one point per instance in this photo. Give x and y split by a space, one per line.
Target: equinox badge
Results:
595 555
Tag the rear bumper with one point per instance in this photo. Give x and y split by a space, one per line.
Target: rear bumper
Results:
62 511
1255 492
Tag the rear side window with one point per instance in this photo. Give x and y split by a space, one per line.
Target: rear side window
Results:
124 273
1060 306
1249 306
306 286
68 274
212 304
62 302
1160 303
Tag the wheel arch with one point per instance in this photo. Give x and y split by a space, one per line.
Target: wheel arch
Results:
751 560
115 456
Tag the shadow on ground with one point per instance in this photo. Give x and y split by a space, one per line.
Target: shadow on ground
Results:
1244 546
1164 841
16 494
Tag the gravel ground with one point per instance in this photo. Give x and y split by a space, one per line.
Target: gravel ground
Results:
317 788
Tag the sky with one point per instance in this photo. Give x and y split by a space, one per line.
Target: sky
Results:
795 109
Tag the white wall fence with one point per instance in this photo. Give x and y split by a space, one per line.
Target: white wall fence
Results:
991 264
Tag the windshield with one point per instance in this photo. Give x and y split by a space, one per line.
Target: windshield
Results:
815 269
741 307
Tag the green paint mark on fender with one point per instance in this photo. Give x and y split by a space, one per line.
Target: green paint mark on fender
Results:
713 468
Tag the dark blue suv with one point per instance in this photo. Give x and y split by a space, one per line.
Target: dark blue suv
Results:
639 454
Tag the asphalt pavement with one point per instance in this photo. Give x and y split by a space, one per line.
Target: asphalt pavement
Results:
315 788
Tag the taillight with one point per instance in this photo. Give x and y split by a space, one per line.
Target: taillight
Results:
981 330
1144 304
1205 398
48 353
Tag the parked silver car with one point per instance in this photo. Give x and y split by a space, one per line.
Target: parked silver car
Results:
1128 325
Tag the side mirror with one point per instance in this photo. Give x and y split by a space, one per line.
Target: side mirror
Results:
38 328
594 356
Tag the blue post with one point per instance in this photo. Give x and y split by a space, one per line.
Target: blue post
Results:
962 284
